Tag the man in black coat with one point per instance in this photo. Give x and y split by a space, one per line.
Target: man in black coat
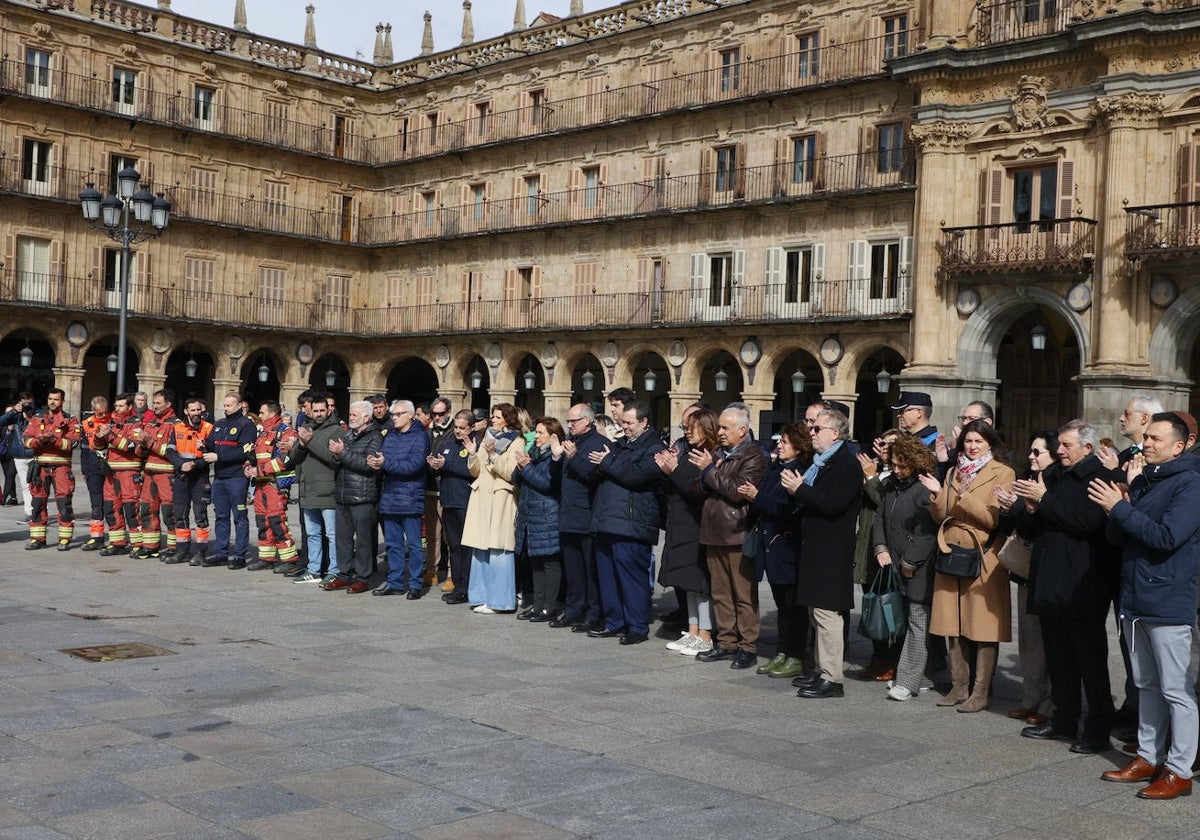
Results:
448 461
828 497
581 604
356 494
1073 578
627 514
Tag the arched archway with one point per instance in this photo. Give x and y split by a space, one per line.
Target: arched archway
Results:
721 380
27 364
876 385
652 383
260 378
798 383
478 379
100 369
190 369
587 382
329 373
531 382
412 379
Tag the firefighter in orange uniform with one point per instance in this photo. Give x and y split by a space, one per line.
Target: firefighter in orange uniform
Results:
95 471
191 484
156 506
272 475
51 436
125 461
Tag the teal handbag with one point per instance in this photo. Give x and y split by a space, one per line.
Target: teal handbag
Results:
884 613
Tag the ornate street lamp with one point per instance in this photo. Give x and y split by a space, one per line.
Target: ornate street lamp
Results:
1037 337
476 378
588 380
650 380
721 379
112 215
798 380
264 372
883 380
190 367
330 377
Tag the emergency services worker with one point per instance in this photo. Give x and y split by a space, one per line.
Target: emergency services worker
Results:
51 436
94 467
123 469
157 503
191 491
272 475
229 447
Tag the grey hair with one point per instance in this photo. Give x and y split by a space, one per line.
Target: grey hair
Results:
1088 435
401 405
361 406
586 411
837 421
740 411
1146 404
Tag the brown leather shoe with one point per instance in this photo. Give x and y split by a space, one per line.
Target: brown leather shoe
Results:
1138 770
1035 719
1166 786
1021 714
335 584
358 587
888 673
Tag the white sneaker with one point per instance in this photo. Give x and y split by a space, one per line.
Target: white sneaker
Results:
926 685
698 646
484 609
681 643
899 692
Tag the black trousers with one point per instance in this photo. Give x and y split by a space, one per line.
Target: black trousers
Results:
95 486
1077 657
547 582
454 520
791 619
9 467
356 533
582 602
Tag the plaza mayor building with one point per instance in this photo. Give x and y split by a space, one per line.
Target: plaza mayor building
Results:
701 199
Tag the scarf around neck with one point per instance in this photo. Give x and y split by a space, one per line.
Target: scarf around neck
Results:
819 460
968 469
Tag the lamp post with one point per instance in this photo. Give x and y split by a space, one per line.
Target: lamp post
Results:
112 214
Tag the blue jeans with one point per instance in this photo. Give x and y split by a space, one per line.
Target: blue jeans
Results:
320 523
229 500
403 537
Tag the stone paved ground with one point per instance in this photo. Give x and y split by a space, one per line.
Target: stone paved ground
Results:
288 713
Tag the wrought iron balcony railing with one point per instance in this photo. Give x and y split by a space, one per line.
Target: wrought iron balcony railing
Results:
817 300
819 178
1162 231
1017 20
1050 246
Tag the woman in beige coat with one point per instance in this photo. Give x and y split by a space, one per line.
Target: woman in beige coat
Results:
974 614
490 526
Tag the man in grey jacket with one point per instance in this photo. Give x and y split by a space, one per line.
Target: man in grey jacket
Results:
315 470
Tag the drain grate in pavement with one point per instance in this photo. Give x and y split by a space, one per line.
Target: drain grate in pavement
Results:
111 653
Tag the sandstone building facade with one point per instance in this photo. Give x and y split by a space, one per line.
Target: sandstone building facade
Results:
712 200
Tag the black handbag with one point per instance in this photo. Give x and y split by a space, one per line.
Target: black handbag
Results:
957 560
884 612
752 542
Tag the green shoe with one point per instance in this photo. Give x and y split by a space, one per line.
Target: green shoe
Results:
791 667
768 667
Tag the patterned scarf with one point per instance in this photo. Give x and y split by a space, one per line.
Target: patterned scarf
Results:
967 468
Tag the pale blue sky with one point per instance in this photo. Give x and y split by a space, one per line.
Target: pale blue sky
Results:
348 26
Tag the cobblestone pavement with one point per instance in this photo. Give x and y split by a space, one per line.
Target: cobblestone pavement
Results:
291 713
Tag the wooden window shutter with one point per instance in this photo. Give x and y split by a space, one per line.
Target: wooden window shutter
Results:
992 206
699 277
58 259
739 190
1066 189
98 264
1189 173
867 163
860 259
465 196
600 187
142 263
774 273
707 166
576 188
510 284
464 284
781 171
818 263
819 169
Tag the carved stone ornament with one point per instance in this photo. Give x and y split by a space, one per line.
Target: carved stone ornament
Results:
401 103
677 353
208 68
727 28
431 97
535 73
480 84
656 45
160 341
235 347
804 11
128 50
940 135
1029 103
349 101
609 354
493 354
1130 108
592 59
41 31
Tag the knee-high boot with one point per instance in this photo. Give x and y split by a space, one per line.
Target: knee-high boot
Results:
985 668
960 673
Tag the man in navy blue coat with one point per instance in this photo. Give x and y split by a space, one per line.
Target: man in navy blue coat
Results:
581 604
1158 528
448 460
627 514
401 462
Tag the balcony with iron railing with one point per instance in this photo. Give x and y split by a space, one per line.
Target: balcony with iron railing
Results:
818 299
1052 247
1162 231
1019 20
829 65
817 179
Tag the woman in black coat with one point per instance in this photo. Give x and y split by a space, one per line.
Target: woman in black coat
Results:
779 527
904 536
684 564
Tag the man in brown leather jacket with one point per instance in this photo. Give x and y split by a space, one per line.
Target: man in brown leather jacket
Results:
724 523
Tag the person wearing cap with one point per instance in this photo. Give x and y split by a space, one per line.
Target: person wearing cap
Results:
913 410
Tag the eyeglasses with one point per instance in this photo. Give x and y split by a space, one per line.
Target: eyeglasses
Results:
822 429
439 413
1037 453
571 420
400 413
963 418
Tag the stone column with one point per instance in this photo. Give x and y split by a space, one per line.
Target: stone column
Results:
557 404
500 395
758 403
150 382
70 379
679 401
851 401
221 387
289 393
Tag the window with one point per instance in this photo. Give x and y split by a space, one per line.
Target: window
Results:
271 285
720 280
403 134
804 158
731 70
895 37
33 268
537 106
275 199
1032 11
35 166
277 119
591 187
341 129
429 208
37 72
521 286
202 105
1034 196
583 284
478 202
198 277
533 189
431 126
112 269
726 171
204 191
124 89
116 165
346 219
808 55
885 270
483 119
337 292
890 153
395 291
798 275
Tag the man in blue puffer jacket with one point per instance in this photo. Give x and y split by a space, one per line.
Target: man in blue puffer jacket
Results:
401 461
1158 528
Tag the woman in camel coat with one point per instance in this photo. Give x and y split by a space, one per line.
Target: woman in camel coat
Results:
490 526
974 614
